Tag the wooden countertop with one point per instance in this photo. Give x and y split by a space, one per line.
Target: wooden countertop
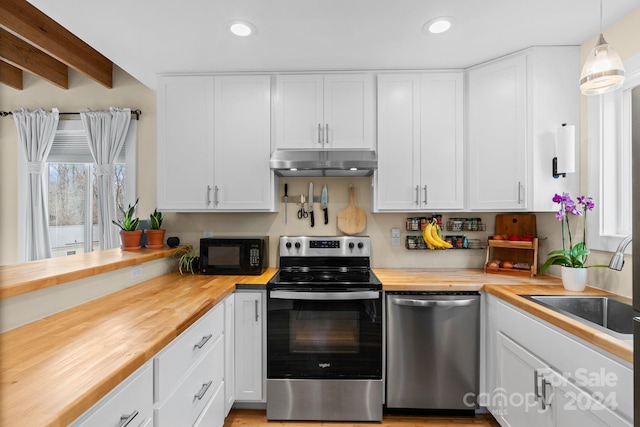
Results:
54 369
26 277
511 294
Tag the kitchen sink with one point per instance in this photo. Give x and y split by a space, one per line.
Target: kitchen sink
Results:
609 314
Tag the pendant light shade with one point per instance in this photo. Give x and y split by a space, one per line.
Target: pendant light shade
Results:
603 70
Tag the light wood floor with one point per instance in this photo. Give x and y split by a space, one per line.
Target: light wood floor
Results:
257 418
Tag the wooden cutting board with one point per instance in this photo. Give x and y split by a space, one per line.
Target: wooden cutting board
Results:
352 220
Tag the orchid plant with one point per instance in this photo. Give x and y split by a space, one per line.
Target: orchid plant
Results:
575 256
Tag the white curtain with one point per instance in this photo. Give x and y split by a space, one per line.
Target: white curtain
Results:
36 130
106 133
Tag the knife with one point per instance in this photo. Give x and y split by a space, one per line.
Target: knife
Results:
286 200
311 203
323 204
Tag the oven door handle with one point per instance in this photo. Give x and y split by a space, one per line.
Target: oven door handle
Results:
326 296
433 303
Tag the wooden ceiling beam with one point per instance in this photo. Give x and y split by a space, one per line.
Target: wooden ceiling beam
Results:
21 54
27 22
10 75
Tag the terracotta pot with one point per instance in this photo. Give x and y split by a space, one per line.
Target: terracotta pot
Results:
155 238
574 279
130 240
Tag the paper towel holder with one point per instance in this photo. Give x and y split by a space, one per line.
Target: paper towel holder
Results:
566 145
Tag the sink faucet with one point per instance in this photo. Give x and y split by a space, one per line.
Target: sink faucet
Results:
617 260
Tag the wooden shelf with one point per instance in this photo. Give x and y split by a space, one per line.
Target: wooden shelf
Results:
510 244
516 251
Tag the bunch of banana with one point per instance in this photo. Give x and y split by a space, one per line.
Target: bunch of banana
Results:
432 237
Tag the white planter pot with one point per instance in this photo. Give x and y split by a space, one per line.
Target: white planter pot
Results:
574 279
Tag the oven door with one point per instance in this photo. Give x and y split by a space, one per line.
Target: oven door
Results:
324 335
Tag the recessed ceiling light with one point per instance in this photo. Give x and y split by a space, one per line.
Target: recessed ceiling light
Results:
242 28
438 25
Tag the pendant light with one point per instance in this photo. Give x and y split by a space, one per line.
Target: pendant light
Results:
603 70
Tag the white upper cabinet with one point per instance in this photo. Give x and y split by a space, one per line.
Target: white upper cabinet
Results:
420 142
515 107
185 142
214 143
333 111
497 135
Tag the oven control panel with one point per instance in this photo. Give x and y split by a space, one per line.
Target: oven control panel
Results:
341 246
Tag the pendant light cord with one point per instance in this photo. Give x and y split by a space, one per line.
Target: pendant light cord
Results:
600 16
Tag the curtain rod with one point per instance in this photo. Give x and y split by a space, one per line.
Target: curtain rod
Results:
136 113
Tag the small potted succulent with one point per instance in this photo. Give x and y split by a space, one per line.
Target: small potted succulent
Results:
155 234
129 233
188 258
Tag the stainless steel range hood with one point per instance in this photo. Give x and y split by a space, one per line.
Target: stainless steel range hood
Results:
310 163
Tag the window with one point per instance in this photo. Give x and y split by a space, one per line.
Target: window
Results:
609 160
71 188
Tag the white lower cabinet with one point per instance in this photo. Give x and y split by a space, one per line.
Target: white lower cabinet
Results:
538 375
189 373
129 404
249 360
229 354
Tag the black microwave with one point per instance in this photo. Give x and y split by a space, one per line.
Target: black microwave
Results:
234 255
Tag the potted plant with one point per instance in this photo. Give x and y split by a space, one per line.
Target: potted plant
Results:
155 234
129 233
188 258
572 259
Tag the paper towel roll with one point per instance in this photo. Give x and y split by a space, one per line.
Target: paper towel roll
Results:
566 149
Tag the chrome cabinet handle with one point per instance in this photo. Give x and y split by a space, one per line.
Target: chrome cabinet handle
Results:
536 387
126 419
425 194
202 342
545 399
326 134
215 198
319 133
256 309
208 192
417 195
202 392
519 192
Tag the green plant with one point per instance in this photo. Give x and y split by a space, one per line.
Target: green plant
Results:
575 256
128 222
155 220
187 256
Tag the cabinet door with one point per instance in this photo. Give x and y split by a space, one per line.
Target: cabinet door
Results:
185 142
497 157
229 353
441 141
248 345
575 407
519 392
398 176
299 111
349 111
243 179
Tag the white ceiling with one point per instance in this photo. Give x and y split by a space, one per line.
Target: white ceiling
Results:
149 37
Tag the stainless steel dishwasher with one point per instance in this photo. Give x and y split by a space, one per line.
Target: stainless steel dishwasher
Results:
433 348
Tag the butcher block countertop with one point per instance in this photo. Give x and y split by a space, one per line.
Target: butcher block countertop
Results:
54 369
30 276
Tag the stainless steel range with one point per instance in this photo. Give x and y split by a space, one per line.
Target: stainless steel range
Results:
324 332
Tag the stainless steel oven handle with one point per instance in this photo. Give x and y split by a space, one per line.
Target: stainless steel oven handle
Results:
433 303
327 296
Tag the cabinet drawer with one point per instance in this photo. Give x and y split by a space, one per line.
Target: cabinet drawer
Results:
132 399
213 413
191 395
176 359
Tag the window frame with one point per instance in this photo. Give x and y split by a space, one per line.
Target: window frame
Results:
609 123
66 124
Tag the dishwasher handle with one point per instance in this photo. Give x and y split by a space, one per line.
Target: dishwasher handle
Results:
433 303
